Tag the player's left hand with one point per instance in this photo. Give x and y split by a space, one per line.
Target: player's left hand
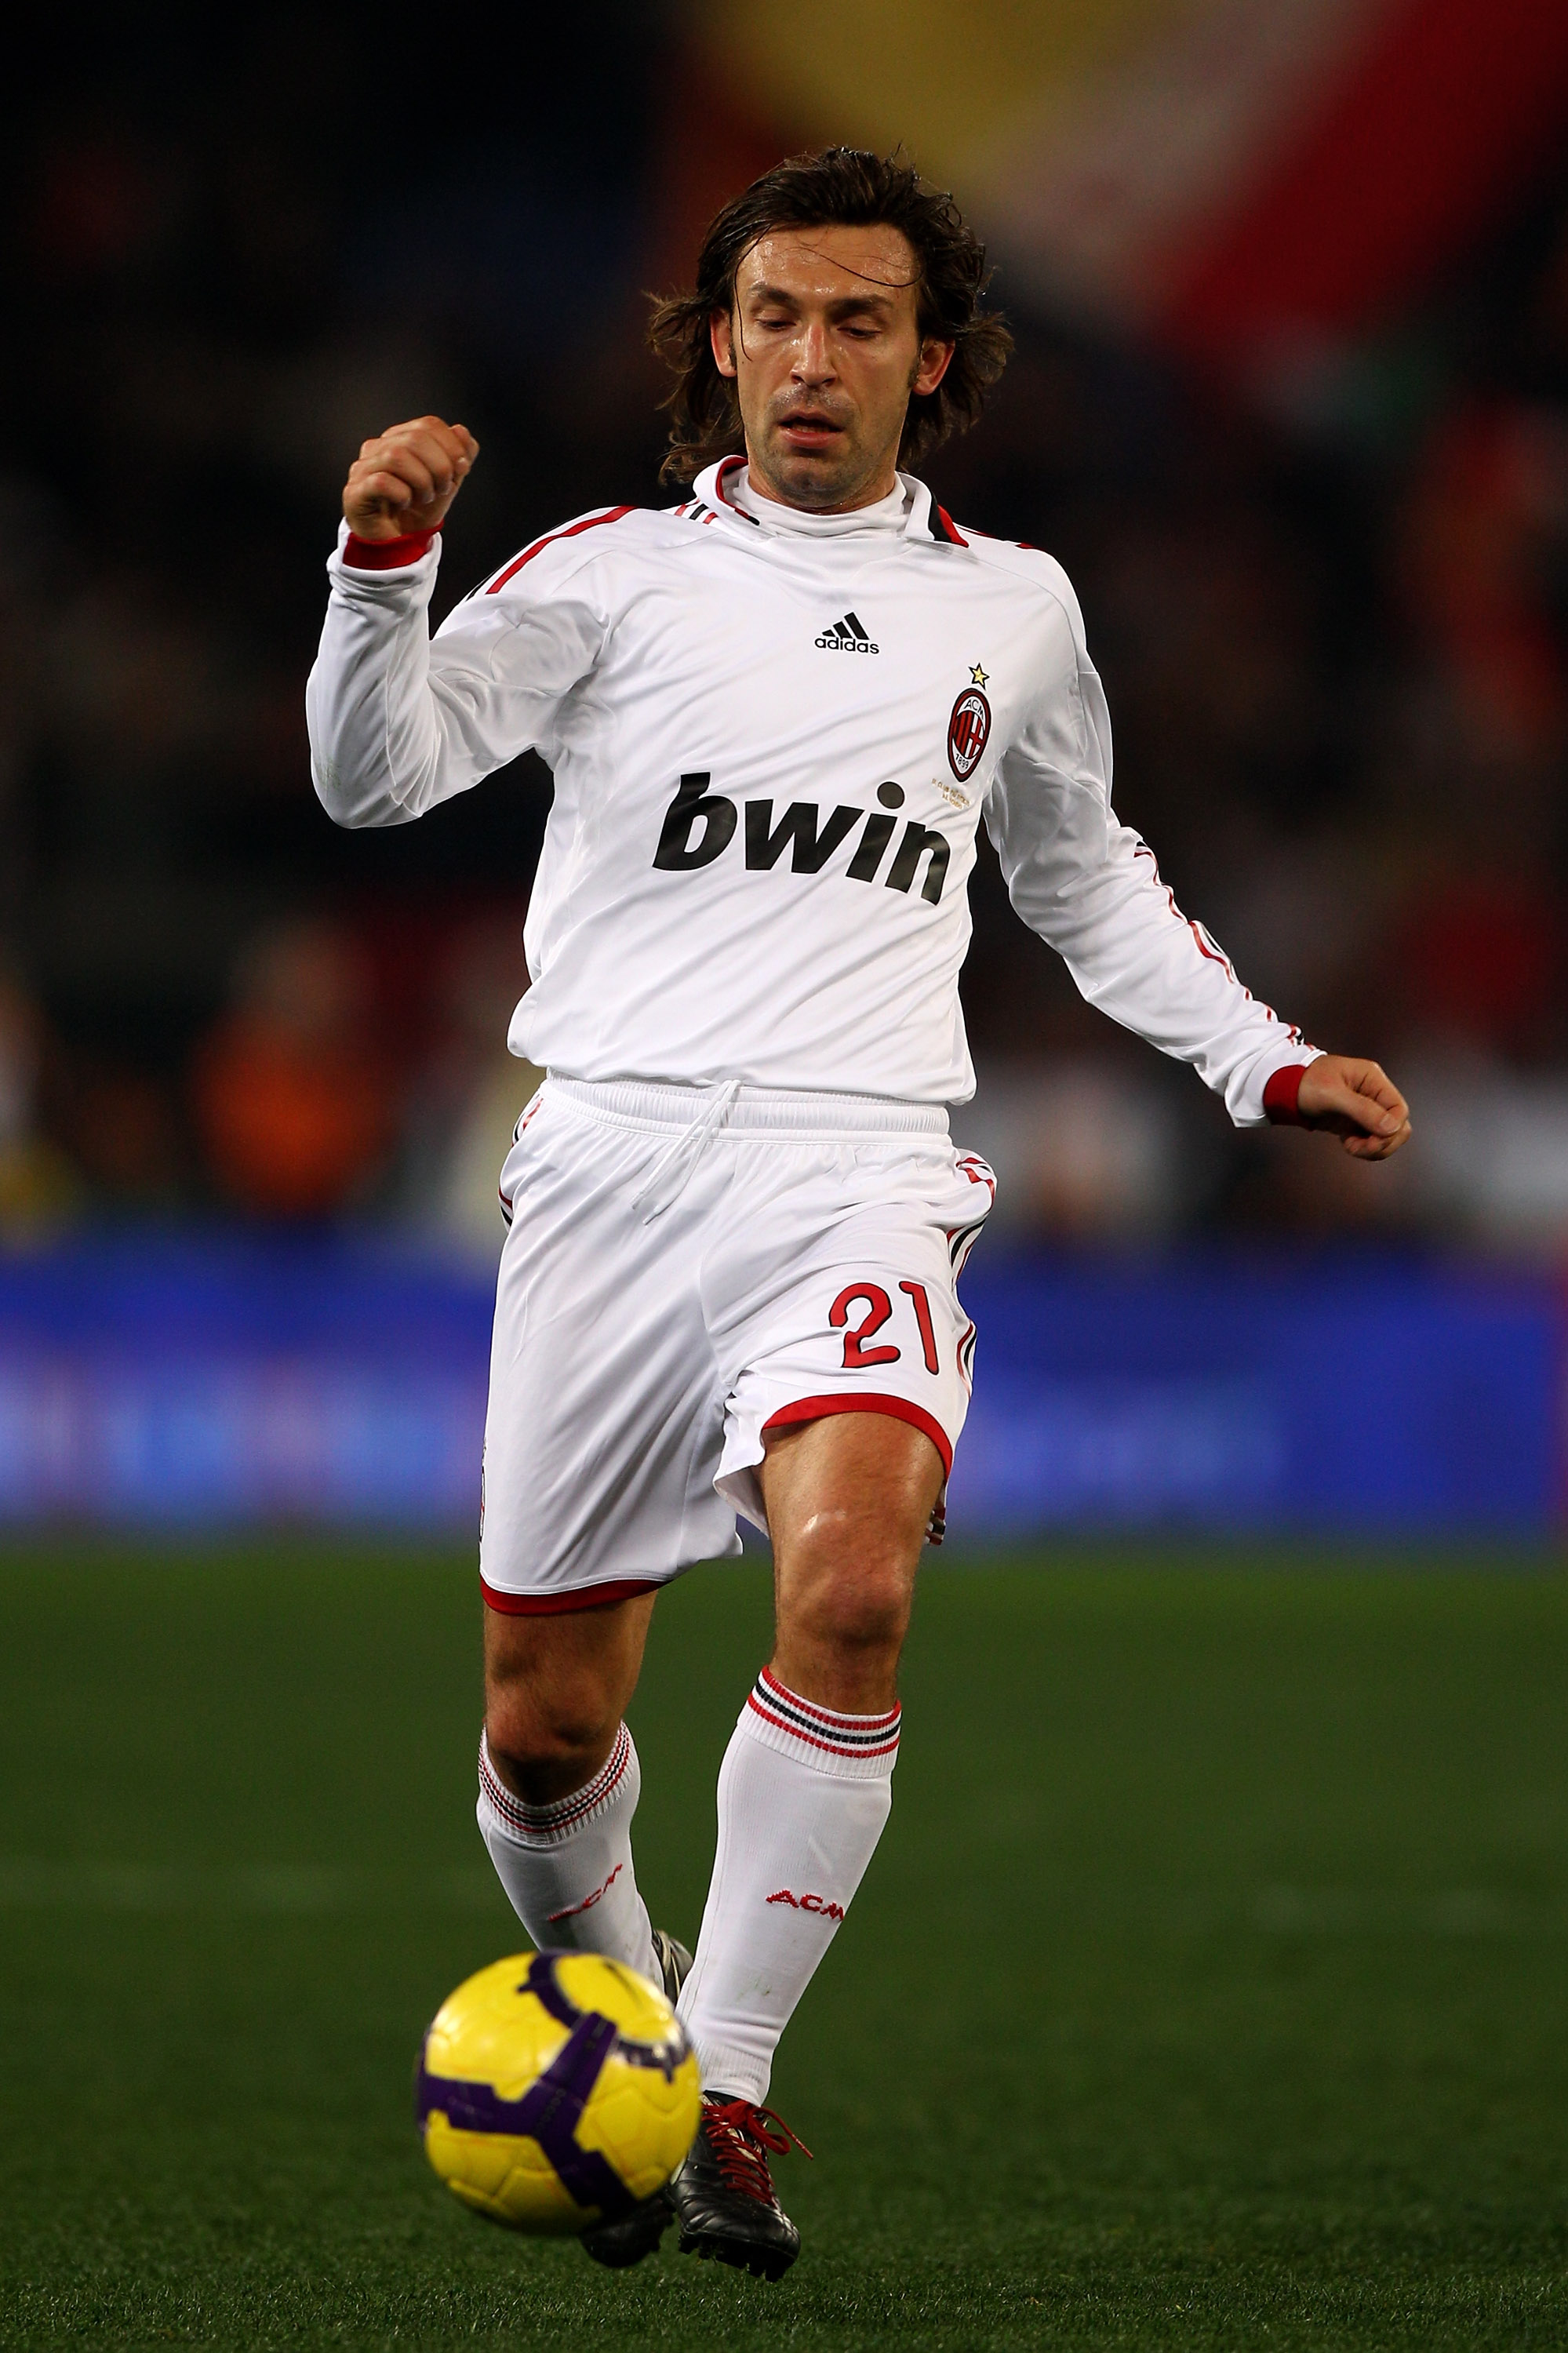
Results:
1355 1101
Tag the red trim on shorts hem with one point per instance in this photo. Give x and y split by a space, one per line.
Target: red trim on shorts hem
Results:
554 1605
819 1408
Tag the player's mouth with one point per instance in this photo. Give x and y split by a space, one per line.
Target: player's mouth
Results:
809 429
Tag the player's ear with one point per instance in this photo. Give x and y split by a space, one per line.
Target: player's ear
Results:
933 366
723 341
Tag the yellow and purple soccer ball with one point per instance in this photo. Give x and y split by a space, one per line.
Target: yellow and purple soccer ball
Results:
555 2090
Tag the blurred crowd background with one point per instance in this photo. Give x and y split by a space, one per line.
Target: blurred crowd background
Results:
1322 552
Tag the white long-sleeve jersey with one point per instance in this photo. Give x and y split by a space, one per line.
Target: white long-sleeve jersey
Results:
773 738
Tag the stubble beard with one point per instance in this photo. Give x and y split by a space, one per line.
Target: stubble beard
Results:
819 481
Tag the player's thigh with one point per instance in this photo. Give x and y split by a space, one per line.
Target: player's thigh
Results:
847 1495
849 1500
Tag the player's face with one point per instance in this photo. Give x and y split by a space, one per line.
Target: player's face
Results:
825 348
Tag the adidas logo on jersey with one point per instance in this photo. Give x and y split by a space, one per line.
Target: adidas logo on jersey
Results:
847 636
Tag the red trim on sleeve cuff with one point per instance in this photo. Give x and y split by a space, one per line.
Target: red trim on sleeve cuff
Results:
387 555
1280 1094
817 1408
556 1605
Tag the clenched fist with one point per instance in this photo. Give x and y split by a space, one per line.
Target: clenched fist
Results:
1356 1102
407 478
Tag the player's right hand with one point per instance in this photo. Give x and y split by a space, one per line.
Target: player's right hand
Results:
405 478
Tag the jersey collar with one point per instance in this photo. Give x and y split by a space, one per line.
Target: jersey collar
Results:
924 520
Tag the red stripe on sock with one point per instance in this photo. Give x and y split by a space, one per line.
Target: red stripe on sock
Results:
831 1747
544 1821
825 1714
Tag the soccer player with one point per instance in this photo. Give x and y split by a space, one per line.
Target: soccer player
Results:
777 715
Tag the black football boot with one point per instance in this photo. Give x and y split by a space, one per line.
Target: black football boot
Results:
674 1964
632 2235
724 2196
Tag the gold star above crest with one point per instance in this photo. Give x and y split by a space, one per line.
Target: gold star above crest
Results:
977 676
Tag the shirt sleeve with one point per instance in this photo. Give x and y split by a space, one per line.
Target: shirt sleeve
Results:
400 720
1091 887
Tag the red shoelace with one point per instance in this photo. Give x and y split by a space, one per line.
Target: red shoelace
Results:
739 2136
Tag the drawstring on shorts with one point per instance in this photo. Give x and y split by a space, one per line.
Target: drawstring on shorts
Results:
681 1155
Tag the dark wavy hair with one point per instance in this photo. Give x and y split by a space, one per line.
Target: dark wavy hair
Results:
838 184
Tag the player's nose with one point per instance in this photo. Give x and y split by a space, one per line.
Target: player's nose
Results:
813 362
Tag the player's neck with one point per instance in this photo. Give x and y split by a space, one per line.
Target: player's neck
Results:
888 512
876 494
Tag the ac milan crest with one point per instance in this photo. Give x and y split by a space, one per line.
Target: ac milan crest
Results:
969 731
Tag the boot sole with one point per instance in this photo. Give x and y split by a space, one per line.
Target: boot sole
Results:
618 2248
741 2254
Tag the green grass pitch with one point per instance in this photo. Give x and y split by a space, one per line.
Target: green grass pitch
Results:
1209 1988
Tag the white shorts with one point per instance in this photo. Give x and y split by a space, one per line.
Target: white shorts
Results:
686 1269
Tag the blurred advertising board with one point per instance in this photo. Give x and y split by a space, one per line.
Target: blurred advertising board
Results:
160 1380
1348 1393
156 1380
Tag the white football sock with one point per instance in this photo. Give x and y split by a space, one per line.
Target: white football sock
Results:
802 1796
567 1867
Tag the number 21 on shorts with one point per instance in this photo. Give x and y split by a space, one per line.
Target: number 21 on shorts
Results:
878 1308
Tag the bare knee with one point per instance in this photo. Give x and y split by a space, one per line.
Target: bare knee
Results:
867 1615
542 1734
555 1691
848 1500
847 1594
